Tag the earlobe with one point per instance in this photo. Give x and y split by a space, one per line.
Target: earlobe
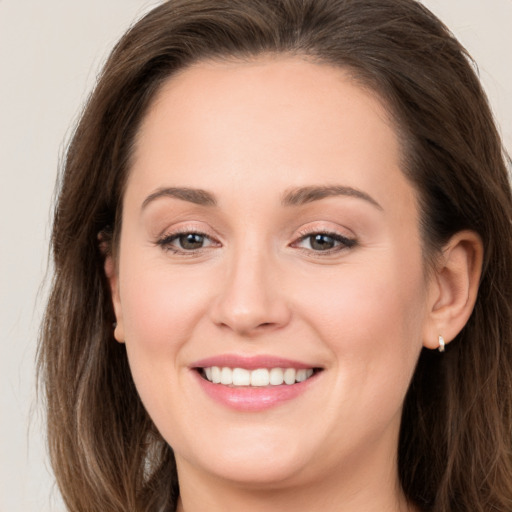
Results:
113 279
454 288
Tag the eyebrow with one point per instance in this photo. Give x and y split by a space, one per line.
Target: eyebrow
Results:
192 195
293 197
304 195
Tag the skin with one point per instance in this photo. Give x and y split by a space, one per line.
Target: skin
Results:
248 133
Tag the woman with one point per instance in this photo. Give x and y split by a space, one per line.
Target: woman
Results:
283 259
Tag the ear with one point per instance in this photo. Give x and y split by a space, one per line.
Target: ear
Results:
454 288
113 279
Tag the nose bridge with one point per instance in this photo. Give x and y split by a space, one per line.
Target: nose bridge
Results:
251 298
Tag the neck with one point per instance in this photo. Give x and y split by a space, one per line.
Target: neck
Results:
298 500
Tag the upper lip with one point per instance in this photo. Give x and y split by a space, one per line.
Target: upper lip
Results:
251 362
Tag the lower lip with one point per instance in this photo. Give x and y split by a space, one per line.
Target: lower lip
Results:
253 399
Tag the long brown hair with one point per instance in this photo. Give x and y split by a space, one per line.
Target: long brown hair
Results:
455 442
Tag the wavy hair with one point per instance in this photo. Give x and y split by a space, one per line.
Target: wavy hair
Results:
455 440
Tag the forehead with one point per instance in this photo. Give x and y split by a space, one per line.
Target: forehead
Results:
267 92
281 121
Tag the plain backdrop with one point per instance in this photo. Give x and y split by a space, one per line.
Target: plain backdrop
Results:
50 54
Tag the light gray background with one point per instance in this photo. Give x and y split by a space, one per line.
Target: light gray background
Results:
50 53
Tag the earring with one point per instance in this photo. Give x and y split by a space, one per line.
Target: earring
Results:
441 344
114 324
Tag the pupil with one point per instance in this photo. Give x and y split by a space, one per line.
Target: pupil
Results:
191 241
322 242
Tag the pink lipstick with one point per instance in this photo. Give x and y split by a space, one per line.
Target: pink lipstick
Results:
253 383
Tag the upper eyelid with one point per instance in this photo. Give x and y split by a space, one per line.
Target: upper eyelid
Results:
176 234
314 228
300 235
184 228
320 231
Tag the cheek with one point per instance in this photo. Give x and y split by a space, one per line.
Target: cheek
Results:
360 299
161 308
375 343
371 317
160 305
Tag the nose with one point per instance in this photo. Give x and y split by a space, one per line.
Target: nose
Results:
251 299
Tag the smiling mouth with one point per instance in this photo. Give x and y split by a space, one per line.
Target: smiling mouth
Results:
260 377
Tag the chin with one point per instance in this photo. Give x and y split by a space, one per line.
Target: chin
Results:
261 473
256 460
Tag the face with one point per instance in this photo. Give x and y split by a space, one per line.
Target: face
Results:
269 236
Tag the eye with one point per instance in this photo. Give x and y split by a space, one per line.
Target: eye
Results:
190 241
324 242
186 242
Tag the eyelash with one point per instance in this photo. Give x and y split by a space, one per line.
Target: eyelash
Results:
343 242
166 242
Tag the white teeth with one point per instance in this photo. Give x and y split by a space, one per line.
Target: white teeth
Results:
302 375
289 376
258 378
241 377
276 376
215 375
226 376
